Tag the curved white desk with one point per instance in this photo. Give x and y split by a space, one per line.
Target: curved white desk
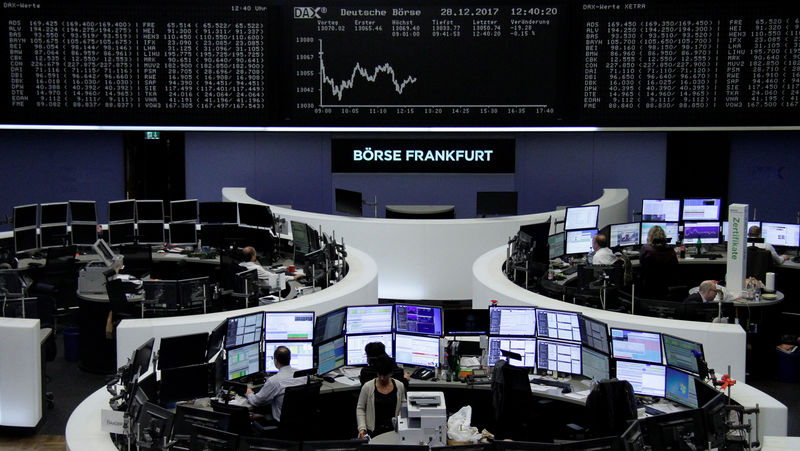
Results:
430 258
359 287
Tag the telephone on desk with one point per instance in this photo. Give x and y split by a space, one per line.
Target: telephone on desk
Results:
478 377
423 374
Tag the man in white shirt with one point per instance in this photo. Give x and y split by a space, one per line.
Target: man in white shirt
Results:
251 262
755 232
272 391
602 253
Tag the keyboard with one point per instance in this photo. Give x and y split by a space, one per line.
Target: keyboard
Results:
653 411
565 387
570 271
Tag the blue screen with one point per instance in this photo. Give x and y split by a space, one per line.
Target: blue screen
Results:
636 345
417 319
330 356
681 388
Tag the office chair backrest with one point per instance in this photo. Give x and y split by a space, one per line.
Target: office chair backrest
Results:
138 259
511 400
656 276
10 283
609 407
239 421
759 262
116 296
299 409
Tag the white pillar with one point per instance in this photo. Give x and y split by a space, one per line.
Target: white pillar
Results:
737 248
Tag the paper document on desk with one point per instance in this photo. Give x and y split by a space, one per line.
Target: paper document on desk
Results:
583 394
348 381
470 362
352 372
536 388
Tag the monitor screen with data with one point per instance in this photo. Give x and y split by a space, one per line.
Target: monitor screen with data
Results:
594 334
670 229
680 387
555 245
329 325
680 353
596 366
525 347
290 326
302 355
781 234
558 324
700 209
647 379
418 319
367 319
661 210
244 329
416 350
558 356
514 321
581 217
623 235
243 361
331 355
356 343
705 231
580 241
636 345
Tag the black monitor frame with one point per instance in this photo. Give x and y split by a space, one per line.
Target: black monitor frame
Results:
182 350
585 337
348 202
186 418
150 233
121 233
255 215
83 234
454 315
53 235
581 207
26 216
674 364
321 322
121 210
231 320
218 213
150 211
185 382
85 210
25 240
209 439
186 210
182 233
156 422
54 213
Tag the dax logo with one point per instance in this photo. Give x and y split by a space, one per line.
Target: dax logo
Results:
309 12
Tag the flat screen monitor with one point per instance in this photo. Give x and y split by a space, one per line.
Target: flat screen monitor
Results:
243 361
157 421
150 233
288 326
183 210
747 228
255 215
121 233
670 229
331 355
661 210
218 213
512 321
636 345
25 240
594 334
558 356
466 322
680 387
149 210
624 235
55 213
162 294
700 209
140 360
781 234
52 235
83 211
356 343
183 234
367 319
184 383
558 324
580 241
192 292
596 366
302 354
300 239
187 418
647 379
121 210
581 217
680 353
245 329
705 231
216 339
496 203
416 350
83 234
555 245
348 202
329 325
212 439
182 350
26 216
418 319
525 347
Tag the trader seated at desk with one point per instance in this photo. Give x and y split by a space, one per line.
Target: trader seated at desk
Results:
272 391
755 232
251 262
602 253
706 293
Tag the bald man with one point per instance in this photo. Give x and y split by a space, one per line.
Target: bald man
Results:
706 293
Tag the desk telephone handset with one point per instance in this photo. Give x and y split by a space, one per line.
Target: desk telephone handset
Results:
423 373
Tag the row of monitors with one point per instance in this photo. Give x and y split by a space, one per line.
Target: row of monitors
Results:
653 210
57 235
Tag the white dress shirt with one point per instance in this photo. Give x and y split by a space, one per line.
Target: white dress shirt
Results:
272 391
777 259
604 256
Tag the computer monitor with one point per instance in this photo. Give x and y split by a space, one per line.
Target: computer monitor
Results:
140 361
512 321
193 292
624 235
331 355
243 361
156 421
161 294
185 382
661 210
525 347
216 339
677 430
26 216
150 233
288 326
558 324
466 322
183 210
368 319
218 213
121 233
121 210
747 228
52 235
302 353
670 229
348 202
595 365
581 217
555 245
558 356
705 231
356 343
53 213
647 379
636 345
416 350
187 418
778 234
681 388
255 215
715 415
83 234
329 325
25 240
594 334
245 329
182 350
580 241
182 233
700 209
680 353
418 319
209 439
83 211
496 203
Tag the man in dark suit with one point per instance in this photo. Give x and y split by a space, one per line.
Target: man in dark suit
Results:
706 293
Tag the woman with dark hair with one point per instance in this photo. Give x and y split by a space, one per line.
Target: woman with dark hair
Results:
374 350
379 401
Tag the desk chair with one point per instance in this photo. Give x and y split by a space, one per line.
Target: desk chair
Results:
120 307
137 259
12 292
512 401
610 407
659 308
55 284
656 276
298 414
759 262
